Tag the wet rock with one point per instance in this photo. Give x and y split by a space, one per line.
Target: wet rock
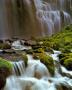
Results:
2 81
66 74
30 51
9 51
46 60
5 71
30 43
5 46
9 41
66 60
63 86
49 50
1 41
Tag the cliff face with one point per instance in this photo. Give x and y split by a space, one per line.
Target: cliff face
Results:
26 18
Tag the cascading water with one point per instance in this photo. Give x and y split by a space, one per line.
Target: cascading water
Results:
40 17
37 77
51 18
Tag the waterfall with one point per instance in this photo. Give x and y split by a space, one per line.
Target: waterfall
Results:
40 17
18 68
52 20
37 77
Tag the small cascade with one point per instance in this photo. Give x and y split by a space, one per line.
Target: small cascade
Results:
57 64
37 77
18 68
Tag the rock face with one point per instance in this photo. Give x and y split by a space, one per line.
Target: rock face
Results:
4 73
2 81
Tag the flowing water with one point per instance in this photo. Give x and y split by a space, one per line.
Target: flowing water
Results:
37 77
26 18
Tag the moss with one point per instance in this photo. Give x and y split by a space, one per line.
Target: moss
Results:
61 41
66 60
68 63
39 50
49 50
30 51
35 56
5 67
5 46
5 63
24 58
47 60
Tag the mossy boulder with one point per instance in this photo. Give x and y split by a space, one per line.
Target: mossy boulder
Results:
30 51
66 60
5 46
68 63
2 81
47 60
49 50
35 56
5 71
60 41
39 50
25 59
5 67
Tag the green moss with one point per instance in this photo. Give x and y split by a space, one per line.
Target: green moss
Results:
66 60
4 46
25 58
61 41
5 63
35 56
30 51
5 67
47 60
39 50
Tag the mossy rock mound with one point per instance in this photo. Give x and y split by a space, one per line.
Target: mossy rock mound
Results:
25 59
66 60
39 50
5 71
5 67
5 46
47 60
30 51
2 82
60 41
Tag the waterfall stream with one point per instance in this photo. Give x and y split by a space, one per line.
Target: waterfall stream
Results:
40 17
37 77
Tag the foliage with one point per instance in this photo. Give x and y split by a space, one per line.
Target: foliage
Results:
61 41
5 68
47 60
5 63
24 58
4 46
66 60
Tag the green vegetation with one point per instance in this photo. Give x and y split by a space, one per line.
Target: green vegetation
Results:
5 63
5 67
66 60
4 46
61 41
24 58
47 60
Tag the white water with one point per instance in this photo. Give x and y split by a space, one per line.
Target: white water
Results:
40 17
16 45
51 20
37 77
